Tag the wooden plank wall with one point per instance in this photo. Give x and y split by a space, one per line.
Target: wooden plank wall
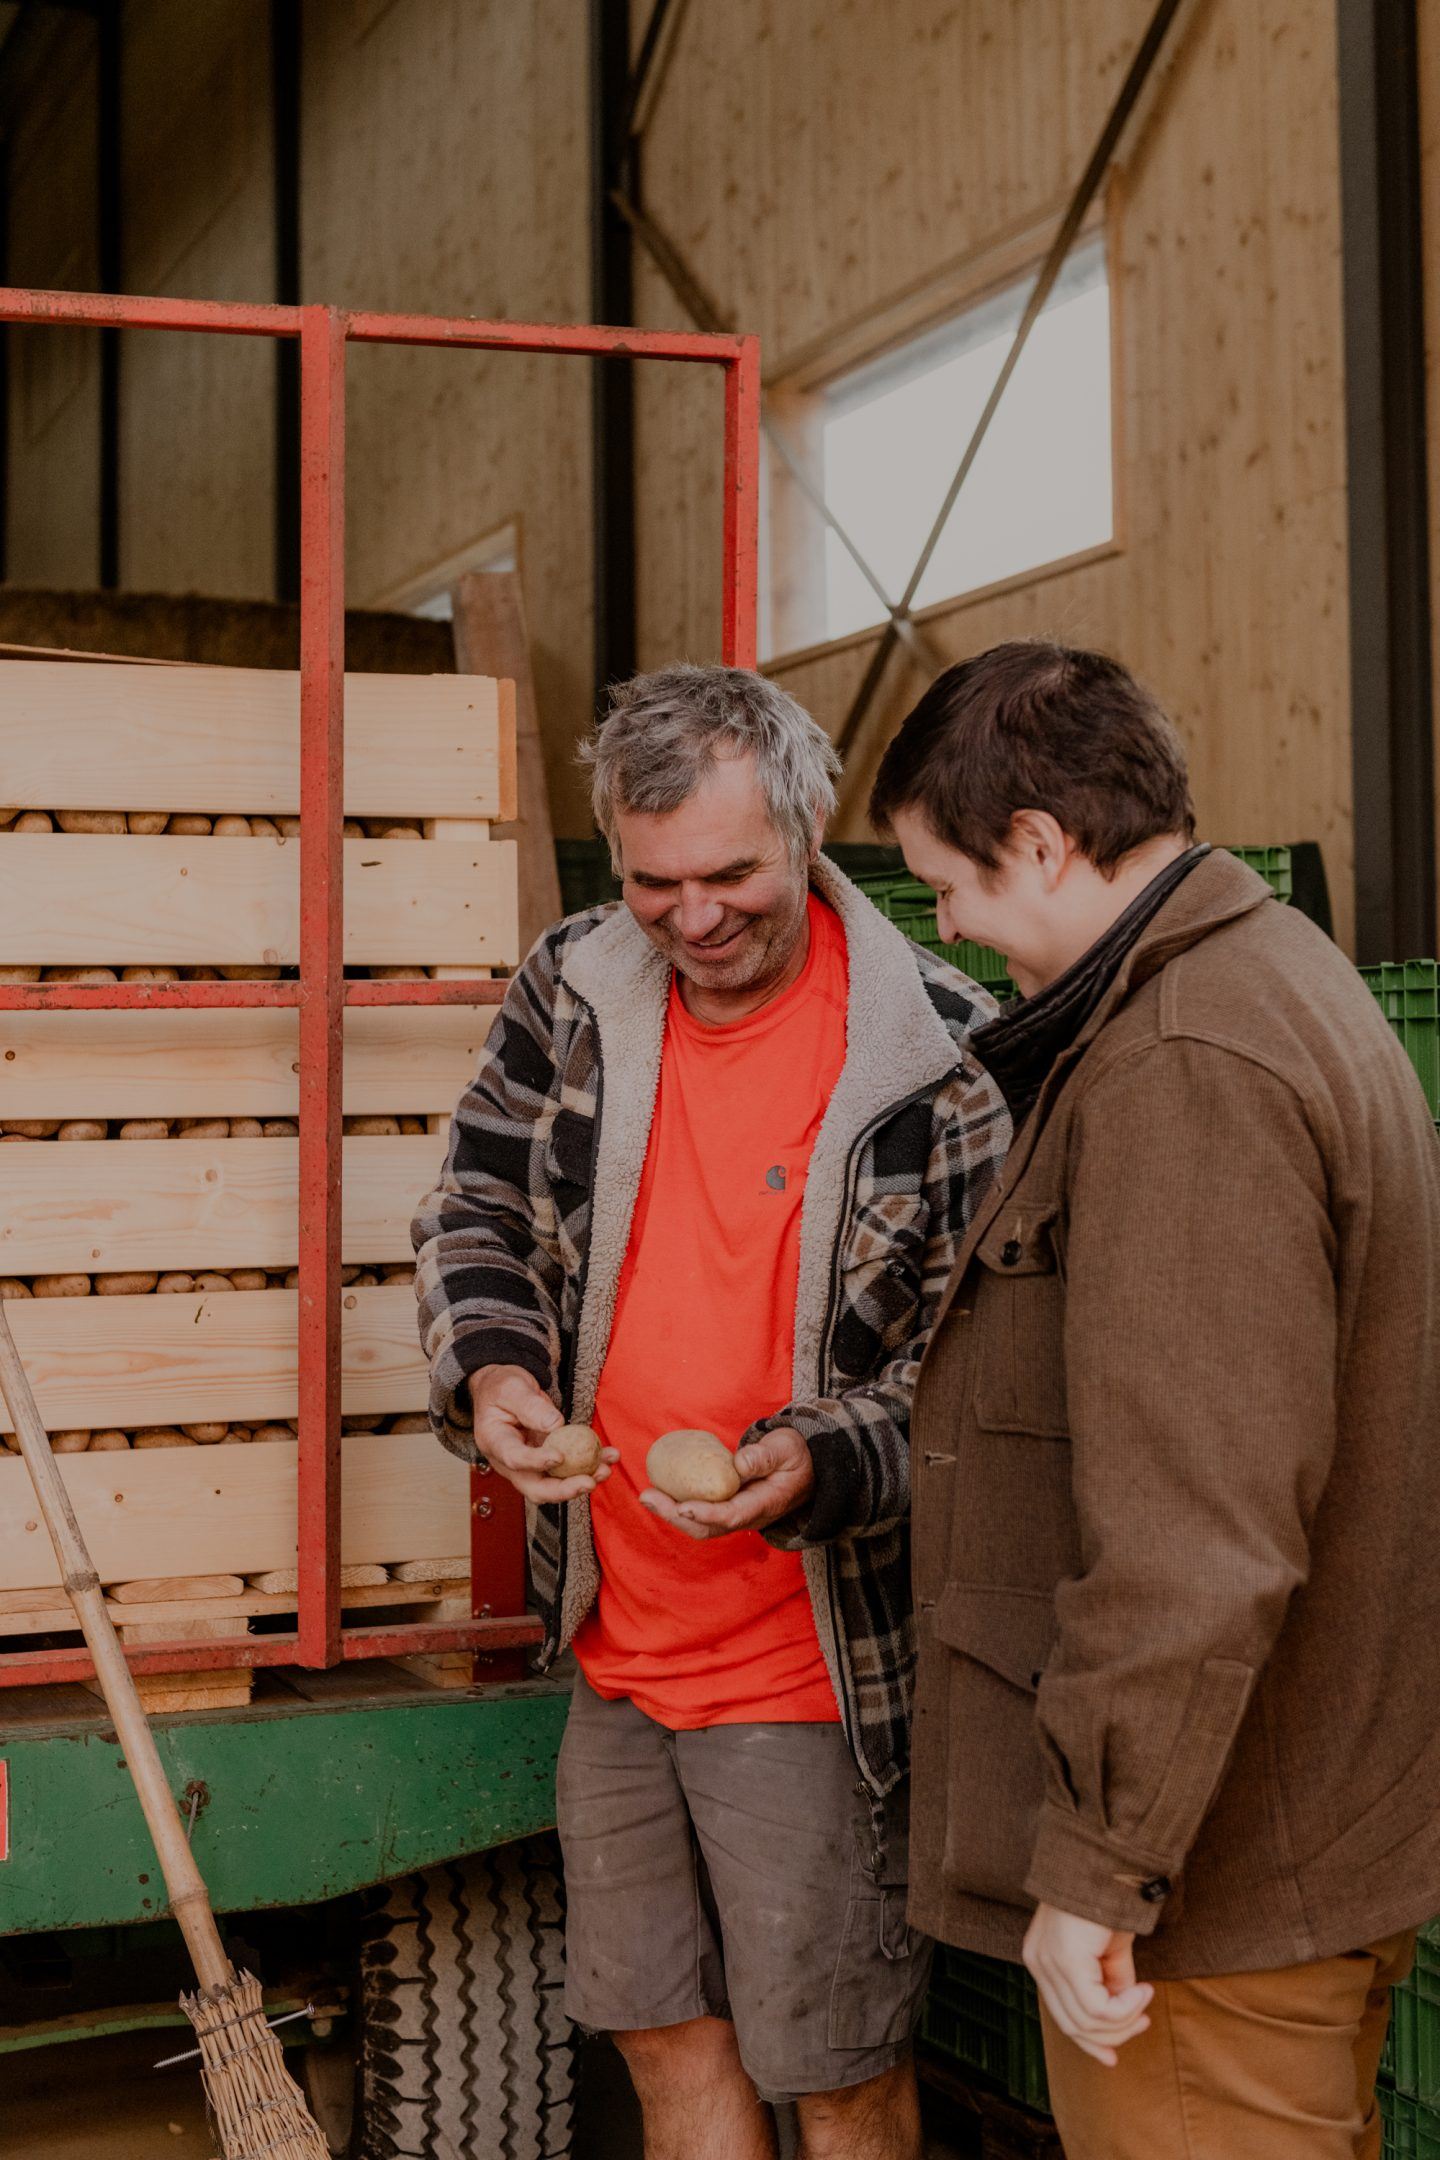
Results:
447 169
817 159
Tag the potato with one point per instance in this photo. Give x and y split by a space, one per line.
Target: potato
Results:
150 974
353 829
203 1128
81 974
412 1421
206 1435
273 1432
31 1128
246 1128
231 827
147 821
248 1278
176 1284
62 1286
19 974
264 828
12 1287
106 1442
34 821
289 827
373 1127
692 1465
69 1443
579 1448
130 1282
250 974
91 821
187 823
279 1128
397 974
82 1128
159 1436
145 1128
212 1279
413 1125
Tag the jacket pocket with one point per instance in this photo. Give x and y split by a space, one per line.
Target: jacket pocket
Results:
1020 1325
999 1640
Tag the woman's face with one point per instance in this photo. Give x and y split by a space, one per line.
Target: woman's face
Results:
1008 908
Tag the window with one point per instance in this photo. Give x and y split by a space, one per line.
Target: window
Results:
888 437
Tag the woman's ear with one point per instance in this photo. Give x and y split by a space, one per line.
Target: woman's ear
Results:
1041 842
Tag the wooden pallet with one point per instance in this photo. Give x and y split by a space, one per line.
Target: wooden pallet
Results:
997 2128
84 737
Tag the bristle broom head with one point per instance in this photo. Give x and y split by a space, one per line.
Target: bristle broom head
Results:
257 2110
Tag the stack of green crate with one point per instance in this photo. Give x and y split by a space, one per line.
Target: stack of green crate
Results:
911 907
1410 2066
982 2015
1408 993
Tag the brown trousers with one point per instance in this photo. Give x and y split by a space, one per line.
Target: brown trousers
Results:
1256 2066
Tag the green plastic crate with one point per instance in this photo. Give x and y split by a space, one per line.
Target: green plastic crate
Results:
1411 2062
983 2015
1408 992
1274 865
1412 2130
910 905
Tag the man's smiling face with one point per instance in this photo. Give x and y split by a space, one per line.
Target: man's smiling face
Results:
713 885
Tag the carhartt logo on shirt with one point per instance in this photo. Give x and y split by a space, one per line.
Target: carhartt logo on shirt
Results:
777 1177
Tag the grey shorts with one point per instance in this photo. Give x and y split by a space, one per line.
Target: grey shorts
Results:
732 1872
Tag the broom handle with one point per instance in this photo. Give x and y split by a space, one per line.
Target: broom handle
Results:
188 1899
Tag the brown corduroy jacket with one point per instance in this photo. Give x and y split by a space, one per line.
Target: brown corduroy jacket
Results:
1177 1475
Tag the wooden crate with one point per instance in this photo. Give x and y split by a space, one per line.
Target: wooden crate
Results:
435 754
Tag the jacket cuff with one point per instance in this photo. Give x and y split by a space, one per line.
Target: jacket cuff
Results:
1077 1871
451 1412
828 1513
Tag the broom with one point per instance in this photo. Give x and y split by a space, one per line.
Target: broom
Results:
257 2110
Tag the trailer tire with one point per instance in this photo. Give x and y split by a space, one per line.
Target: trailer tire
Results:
463 2047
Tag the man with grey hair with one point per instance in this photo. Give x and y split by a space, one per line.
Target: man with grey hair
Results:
712 1173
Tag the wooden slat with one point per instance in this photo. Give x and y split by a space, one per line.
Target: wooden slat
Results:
77 735
51 1613
130 1361
101 1206
220 1063
108 899
232 1509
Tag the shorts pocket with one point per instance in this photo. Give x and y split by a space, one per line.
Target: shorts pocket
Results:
880 1973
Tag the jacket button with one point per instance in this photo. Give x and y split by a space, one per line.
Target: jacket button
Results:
1158 1887
1010 1252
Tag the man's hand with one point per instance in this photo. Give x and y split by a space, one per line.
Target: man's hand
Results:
1086 1974
512 1417
776 1476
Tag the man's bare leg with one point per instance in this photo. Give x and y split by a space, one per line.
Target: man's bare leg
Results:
879 2120
697 2101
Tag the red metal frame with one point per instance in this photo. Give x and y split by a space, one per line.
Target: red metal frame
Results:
321 994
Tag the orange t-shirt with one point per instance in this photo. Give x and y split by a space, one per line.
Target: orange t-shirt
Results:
719 1633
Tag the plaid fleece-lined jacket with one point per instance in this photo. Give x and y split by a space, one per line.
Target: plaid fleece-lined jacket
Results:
521 1246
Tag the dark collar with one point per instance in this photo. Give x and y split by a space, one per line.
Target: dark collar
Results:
1019 1048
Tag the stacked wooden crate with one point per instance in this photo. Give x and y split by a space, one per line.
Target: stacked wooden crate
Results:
148 1180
